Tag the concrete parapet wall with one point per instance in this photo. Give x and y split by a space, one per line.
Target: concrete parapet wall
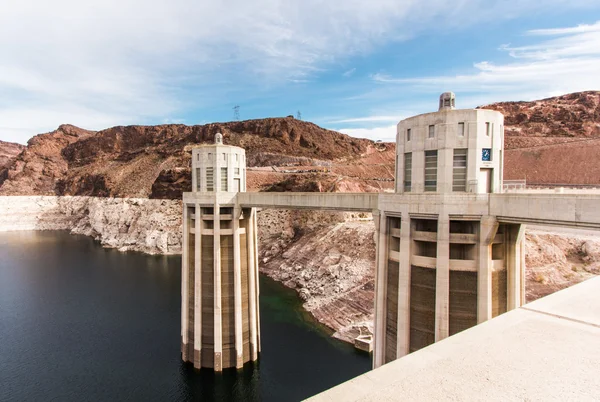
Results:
555 337
553 190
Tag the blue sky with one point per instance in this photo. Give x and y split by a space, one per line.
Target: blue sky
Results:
354 66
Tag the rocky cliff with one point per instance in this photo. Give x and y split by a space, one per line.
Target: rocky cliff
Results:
554 140
39 167
8 152
132 224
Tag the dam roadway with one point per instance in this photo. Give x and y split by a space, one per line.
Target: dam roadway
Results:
545 350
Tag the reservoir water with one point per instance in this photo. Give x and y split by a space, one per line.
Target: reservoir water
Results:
79 322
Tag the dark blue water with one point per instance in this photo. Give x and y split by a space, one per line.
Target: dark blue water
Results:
82 323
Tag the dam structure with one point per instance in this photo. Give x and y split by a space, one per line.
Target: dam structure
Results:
448 265
450 243
219 303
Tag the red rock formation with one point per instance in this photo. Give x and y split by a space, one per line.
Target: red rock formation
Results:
8 152
150 161
554 140
547 121
37 169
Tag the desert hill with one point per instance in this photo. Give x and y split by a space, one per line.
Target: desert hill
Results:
8 153
153 161
554 140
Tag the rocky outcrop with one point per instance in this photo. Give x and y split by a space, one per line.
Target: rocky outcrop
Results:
130 224
556 260
554 140
8 152
139 161
41 165
527 124
172 183
329 259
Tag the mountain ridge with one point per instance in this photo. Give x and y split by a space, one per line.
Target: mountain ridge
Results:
287 154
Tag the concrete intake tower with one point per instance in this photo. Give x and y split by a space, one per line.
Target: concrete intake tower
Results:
219 304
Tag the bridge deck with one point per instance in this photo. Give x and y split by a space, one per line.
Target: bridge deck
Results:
571 210
546 350
322 201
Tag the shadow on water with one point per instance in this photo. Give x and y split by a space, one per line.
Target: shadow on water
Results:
79 322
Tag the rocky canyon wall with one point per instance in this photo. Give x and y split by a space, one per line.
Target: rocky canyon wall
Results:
128 224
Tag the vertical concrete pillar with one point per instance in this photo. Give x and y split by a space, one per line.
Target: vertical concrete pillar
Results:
252 285
515 236
184 286
442 279
198 288
403 334
488 227
257 284
218 362
418 171
380 287
523 269
237 289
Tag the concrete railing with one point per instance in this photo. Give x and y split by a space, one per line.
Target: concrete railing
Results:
366 202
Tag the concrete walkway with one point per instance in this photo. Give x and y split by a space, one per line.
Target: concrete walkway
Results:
546 350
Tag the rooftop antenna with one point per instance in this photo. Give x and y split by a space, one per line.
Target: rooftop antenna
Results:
236 112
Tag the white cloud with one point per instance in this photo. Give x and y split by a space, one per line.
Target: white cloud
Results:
565 31
349 73
385 133
367 119
565 60
101 62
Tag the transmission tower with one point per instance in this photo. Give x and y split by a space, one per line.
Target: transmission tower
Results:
299 115
236 112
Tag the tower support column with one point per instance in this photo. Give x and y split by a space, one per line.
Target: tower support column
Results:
252 285
488 227
218 334
442 279
403 346
184 286
380 288
515 247
237 289
198 288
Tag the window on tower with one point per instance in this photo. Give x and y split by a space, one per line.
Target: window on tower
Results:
431 158
407 172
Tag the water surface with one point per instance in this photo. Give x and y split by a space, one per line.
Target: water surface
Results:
79 322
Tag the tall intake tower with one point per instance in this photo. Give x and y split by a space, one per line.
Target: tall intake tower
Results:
219 293
444 265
